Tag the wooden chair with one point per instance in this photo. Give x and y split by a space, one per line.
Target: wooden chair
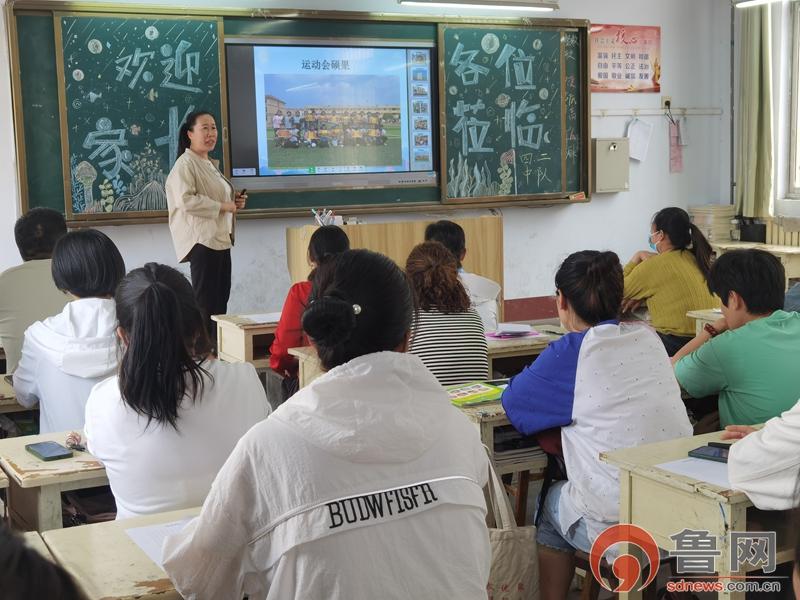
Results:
591 587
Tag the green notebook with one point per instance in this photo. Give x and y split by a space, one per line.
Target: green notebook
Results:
467 394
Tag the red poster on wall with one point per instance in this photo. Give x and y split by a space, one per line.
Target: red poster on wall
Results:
626 58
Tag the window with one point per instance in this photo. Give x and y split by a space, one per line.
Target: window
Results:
793 186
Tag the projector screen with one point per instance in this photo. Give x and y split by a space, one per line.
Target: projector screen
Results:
330 116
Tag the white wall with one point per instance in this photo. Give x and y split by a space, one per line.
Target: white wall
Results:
695 46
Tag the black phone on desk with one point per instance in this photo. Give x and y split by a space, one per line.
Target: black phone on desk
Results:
48 450
714 453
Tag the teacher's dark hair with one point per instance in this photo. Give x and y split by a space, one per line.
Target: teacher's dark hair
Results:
37 231
87 264
166 342
684 235
592 283
325 243
183 134
26 574
360 303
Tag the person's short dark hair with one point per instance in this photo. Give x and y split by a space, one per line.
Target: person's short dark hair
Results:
87 264
592 282
37 231
450 235
26 574
757 276
360 303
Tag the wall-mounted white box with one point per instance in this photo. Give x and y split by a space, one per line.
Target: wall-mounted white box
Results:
611 165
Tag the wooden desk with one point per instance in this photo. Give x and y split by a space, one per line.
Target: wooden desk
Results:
108 564
8 399
788 255
34 541
702 317
35 486
241 339
665 503
308 364
3 481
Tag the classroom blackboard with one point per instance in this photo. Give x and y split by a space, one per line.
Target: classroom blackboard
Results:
129 83
511 113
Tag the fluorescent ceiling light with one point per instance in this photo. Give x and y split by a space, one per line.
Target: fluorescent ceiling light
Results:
749 3
538 6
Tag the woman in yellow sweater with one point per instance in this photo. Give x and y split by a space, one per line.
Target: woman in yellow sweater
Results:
671 280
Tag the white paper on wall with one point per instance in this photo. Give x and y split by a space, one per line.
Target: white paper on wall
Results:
638 135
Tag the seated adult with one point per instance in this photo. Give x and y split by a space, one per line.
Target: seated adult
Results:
366 484
483 292
749 356
325 243
64 356
27 291
765 463
606 385
448 334
165 424
672 279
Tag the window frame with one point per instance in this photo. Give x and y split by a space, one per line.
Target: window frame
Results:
793 183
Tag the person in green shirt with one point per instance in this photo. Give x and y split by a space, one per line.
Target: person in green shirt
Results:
749 356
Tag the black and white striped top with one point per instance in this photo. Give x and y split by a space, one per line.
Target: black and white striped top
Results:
452 346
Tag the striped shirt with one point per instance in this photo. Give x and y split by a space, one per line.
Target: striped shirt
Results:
452 346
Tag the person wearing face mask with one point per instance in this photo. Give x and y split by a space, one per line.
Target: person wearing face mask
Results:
202 206
671 279
603 385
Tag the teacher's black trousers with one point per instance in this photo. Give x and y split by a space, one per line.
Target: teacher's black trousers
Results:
211 281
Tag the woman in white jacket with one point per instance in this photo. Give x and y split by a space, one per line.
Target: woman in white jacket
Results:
64 356
365 484
168 421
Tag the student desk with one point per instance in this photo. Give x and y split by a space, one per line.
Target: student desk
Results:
665 503
528 347
108 564
8 400
34 541
488 417
702 317
240 338
34 494
788 255
308 367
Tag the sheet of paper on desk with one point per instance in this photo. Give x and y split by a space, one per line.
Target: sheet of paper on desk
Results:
272 317
151 538
715 473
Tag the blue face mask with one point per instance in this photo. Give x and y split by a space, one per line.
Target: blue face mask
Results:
651 244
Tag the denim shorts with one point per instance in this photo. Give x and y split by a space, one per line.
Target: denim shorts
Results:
549 532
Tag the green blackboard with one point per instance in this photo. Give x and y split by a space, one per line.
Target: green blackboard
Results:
511 113
129 83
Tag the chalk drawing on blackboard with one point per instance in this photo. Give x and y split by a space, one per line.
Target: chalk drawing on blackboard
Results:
141 77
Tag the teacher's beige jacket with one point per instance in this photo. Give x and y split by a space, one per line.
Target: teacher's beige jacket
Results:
195 190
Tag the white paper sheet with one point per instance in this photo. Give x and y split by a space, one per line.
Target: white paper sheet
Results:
709 471
151 538
272 317
639 134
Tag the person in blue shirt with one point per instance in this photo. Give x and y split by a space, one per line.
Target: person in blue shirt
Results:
602 386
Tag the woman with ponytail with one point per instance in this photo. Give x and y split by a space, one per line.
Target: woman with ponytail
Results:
448 335
672 279
325 243
367 483
603 385
165 424
202 206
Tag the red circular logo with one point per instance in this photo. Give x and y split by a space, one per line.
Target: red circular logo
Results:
626 568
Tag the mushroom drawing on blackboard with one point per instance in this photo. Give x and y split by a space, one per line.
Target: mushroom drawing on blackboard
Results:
86 174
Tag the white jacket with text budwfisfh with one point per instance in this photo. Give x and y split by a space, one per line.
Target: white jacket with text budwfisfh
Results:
365 484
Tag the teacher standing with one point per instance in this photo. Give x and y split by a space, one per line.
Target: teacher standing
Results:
202 207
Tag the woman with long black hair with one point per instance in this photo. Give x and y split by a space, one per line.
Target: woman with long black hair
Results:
202 205
672 278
